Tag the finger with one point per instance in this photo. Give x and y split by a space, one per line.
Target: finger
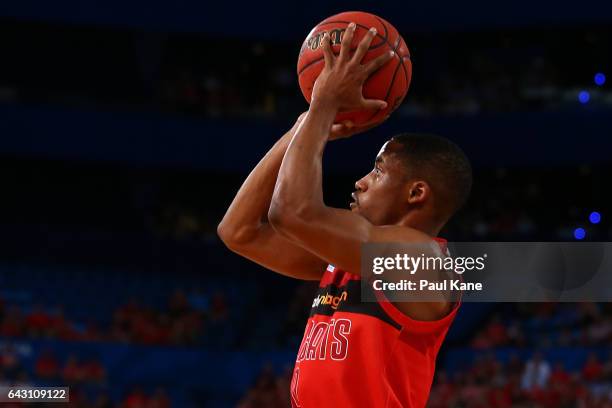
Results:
338 131
347 40
337 128
364 45
348 124
348 129
373 104
378 62
327 51
342 127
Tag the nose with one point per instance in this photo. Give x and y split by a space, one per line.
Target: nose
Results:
361 185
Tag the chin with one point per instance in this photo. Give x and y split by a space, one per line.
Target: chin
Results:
356 209
361 214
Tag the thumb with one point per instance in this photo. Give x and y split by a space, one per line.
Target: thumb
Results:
341 130
374 104
338 131
337 128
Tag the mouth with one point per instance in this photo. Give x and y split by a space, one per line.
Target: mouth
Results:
355 202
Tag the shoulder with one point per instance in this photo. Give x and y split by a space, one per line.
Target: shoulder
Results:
409 239
397 232
412 242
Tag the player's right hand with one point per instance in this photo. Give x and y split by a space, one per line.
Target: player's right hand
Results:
340 83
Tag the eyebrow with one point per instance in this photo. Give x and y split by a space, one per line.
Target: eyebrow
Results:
379 159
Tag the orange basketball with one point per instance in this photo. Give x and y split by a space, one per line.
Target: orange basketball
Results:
390 83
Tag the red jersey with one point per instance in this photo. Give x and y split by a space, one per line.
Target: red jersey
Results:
364 354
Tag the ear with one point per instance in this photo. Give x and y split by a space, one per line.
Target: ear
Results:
418 192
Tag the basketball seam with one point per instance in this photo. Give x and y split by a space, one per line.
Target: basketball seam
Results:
400 62
386 30
395 72
393 79
309 65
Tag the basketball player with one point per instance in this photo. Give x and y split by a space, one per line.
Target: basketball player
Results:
353 353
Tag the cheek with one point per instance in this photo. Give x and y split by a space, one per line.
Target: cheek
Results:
389 193
379 195
384 187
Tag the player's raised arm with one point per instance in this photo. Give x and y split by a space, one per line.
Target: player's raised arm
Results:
297 208
245 228
391 204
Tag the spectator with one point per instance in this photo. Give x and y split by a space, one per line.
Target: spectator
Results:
60 327
12 325
38 322
135 399
73 372
559 376
536 374
47 367
593 369
103 401
94 371
10 362
159 399
264 394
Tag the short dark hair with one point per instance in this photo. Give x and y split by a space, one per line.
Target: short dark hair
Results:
441 163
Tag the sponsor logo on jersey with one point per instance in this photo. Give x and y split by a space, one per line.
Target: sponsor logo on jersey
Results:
328 299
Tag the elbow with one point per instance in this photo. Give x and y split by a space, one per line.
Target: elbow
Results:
235 237
277 216
286 219
223 233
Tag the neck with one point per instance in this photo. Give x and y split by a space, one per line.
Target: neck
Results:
429 224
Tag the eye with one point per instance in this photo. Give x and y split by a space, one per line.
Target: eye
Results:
377 170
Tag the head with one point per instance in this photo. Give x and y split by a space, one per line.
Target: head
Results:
418 180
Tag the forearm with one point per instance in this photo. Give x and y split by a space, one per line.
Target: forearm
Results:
250 206
299 184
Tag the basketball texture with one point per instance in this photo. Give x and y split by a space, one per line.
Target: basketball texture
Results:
390 83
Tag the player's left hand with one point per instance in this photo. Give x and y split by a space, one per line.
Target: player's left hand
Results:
347 129
340 84
342 130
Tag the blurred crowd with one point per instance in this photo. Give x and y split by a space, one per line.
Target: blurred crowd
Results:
548 325
268 391
536 382
474 72
481 83
545 355
183 322
86 378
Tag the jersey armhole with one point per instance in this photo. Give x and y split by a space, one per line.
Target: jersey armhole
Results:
413 325
419 326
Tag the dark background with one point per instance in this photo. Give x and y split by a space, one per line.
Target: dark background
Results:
127 127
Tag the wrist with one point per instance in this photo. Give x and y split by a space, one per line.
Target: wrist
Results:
324 107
